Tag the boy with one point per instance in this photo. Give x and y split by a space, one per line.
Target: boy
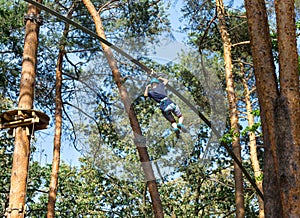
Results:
167 106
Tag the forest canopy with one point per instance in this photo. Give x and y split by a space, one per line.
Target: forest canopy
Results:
109 149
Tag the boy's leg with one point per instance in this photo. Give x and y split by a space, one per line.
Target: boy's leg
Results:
178 113
180 119
173 109
174 125
169 116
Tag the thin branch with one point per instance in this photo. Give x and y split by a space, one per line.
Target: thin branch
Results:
84 50
243 62
106 4
91 88
85 113
221 183
4 52
253 90
237 25
207 28
241 43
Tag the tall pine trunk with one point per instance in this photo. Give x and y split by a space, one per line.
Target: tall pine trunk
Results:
268 92
279 108
140 144
58 125
288 131
21 154
234 121
253 145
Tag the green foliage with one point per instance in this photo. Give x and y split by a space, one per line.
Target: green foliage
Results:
84 191
298 24
203 28
198 185
11 23
256 112
6 151
150 14
204 35
260 177
254 128
11 30
228 137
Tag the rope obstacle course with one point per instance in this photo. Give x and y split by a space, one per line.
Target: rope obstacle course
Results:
149 71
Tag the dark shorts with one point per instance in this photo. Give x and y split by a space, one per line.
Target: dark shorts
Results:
168 108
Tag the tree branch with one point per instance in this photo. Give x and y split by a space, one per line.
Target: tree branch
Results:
240 43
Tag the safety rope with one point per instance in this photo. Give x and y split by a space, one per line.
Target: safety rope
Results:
153 74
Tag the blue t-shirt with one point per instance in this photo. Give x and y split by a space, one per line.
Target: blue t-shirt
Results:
158 93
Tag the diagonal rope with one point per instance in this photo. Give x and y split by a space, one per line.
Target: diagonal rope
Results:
151 73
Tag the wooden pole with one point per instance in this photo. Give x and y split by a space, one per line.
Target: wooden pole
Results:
21 154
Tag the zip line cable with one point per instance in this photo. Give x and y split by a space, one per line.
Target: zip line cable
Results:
151 73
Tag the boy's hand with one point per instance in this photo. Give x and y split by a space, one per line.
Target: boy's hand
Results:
146 90
164 80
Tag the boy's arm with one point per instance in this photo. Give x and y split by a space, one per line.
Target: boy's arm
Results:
164 80
146 90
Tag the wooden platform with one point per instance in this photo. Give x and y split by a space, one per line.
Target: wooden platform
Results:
24 117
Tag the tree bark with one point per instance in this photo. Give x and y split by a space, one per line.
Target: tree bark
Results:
279 109
139 142
267 94
234 122
253 146
288 140
21 154
58 125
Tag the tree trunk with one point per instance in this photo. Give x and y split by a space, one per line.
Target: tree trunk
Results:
139 142
58 125
234 122
288 140
267 94
21 154
253 146
279 110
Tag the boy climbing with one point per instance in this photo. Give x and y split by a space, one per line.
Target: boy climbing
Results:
167 106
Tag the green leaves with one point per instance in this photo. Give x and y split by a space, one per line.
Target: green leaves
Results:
228 137
254 128
6 150
146 18
193 189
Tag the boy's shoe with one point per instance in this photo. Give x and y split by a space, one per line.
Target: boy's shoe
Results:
181 126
